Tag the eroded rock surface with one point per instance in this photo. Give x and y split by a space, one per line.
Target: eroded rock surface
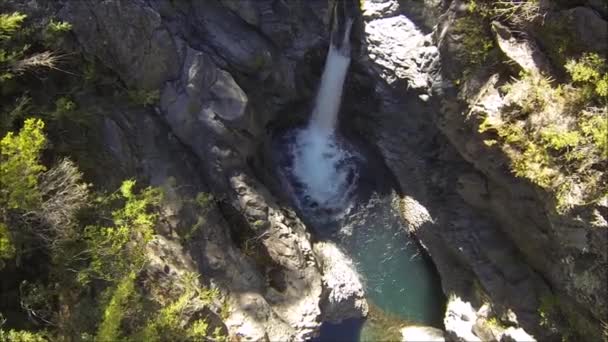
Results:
207 63
344 292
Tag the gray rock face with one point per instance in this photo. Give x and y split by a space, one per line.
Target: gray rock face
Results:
390 41
590 29
548 241
523 52
474 257
294 290
127 35
200 54
345 297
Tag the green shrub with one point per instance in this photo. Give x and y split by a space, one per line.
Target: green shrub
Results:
118 249
589 72
594 126
54 31
559 140
20 167
113 314
7 249
58 26
10 23
172 322
22 336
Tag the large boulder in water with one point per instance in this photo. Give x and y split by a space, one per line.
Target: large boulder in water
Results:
344 296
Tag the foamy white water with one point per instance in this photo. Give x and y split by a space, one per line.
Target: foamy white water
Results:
318 158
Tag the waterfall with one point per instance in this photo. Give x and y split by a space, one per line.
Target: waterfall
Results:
327 102
321 164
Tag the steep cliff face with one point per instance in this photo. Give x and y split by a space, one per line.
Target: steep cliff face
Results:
527 240
475 258
207 64
226 69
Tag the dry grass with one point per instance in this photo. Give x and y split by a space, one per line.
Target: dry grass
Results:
42 60
517 11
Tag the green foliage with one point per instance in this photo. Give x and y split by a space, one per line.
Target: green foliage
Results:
535 164
169 323
556 317
555 139
10 23
516 12
203 202
20 167
7 249
144 97
590 73
55 30
476 39
59 26
548 310
22 336
567 149
103 242
11 53
496 323
110 326
118 249
595 127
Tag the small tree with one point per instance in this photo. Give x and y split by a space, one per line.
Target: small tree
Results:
20 167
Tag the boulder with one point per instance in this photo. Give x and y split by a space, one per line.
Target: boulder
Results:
460 317
421 333
344 295
398 49
524 52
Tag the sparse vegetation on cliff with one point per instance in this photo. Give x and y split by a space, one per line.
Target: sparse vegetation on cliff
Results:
553 131
556 135
71 254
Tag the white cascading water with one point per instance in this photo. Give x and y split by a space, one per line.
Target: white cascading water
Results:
319 160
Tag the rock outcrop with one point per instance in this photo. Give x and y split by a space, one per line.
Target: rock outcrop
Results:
418 333
520 241
344 294
473 255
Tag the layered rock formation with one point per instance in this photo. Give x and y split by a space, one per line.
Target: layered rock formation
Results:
524 240
225 69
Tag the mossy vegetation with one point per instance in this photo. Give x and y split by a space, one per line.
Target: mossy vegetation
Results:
557 318
553 131
475 37
473 28
556 135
